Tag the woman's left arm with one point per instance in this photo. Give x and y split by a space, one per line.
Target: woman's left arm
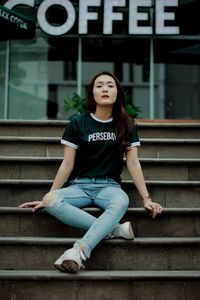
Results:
136 174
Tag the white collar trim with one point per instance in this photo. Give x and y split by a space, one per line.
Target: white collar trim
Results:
99 120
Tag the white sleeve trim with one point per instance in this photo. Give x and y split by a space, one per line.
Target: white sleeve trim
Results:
135 144
69 144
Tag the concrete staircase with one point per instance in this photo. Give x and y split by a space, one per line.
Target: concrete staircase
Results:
163 262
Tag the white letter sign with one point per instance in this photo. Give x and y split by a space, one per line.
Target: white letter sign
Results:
56 30
136 11
110 16
161 16
84 15
11 3
135 16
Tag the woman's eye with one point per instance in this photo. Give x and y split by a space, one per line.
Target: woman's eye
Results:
108 86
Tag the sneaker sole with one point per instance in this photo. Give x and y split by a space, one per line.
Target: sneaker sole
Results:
70 266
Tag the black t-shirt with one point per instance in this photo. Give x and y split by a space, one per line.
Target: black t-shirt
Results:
97 152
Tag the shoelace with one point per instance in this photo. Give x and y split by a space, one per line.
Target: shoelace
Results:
114 234
79 253
110 236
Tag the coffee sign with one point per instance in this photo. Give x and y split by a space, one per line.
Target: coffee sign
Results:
88 12
16 25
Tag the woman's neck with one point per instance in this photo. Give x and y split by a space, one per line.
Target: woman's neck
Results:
103 113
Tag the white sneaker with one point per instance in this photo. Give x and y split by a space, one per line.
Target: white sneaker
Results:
70 260
124 231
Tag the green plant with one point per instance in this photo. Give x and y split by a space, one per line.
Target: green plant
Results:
131 109
78 104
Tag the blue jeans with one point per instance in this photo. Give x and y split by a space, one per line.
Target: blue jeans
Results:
104 193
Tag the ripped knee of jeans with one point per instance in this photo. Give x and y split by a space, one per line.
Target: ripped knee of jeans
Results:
49 199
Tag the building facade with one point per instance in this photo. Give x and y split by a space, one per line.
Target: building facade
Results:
152 46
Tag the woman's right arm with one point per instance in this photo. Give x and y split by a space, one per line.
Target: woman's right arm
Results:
65 168
61 177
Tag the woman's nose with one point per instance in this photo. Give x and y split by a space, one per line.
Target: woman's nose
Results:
105 88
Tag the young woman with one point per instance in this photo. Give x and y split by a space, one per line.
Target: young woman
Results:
95 143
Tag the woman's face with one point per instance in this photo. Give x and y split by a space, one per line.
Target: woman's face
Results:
105 90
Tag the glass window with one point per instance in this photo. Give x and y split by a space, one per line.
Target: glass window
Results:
42 73
3 80
28 79
177 73
159 73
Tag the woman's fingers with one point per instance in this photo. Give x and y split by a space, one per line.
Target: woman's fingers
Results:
39 206
32 204
155 208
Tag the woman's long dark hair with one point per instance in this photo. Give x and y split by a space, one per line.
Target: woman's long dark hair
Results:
122 121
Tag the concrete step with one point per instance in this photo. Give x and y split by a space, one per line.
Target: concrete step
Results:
174 222
168 130
14 191
31 128
168 169
166 193
22 253
51 147
56 128
169 148
118 285
17 167
31 146
161 263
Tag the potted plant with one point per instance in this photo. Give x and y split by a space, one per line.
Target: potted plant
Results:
77 104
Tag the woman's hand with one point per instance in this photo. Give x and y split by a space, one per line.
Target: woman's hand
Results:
153 207
136 173
36 205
